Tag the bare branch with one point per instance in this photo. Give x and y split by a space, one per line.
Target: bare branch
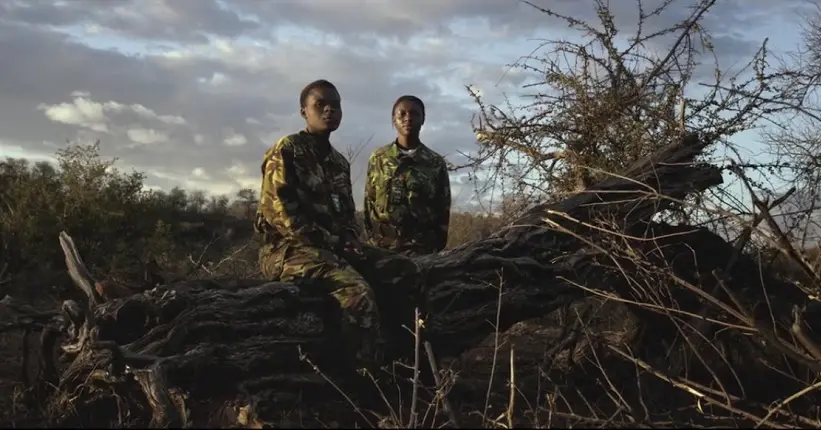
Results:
78 271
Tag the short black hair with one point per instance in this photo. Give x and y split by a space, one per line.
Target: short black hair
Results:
319 83
412 99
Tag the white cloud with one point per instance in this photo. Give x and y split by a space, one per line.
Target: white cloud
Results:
239 173
16 150
146 136
248 182
237 169
84 112
172 119
81 112
200 173
216 79
144 112
235 139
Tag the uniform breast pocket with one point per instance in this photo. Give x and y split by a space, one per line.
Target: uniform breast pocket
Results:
340 192
396 191
421 188
381 197
309 179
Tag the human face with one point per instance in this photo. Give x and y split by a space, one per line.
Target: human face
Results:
408 118
323 110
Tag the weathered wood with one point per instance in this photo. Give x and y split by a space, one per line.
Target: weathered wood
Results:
245 342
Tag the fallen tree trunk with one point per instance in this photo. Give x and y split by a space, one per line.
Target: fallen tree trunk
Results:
180 349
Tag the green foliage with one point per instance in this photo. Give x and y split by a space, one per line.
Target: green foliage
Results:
117 224
84 195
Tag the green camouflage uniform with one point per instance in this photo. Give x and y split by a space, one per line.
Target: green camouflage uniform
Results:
306 215
407 200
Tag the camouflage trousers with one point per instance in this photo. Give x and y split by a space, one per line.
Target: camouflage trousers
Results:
360 313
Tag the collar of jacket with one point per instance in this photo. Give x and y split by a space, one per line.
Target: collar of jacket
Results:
395 149
322 147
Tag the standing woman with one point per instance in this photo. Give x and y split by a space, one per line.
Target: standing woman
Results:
407 193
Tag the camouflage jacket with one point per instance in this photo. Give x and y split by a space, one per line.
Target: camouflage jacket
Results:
306 194
407 200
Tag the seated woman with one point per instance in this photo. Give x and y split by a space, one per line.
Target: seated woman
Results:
407 193
306 218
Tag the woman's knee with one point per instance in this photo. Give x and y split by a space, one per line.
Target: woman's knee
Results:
270 264
353 293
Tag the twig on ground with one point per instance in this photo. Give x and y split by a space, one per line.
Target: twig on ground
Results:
800 333
685 387
3 279
511 402
417 322
440 389
787 401
304 358
495 348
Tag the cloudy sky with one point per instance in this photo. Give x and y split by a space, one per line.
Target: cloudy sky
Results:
191 92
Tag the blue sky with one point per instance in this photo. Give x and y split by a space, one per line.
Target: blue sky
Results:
193 91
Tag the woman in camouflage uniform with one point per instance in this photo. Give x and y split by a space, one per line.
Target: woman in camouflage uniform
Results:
306 217
407 193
